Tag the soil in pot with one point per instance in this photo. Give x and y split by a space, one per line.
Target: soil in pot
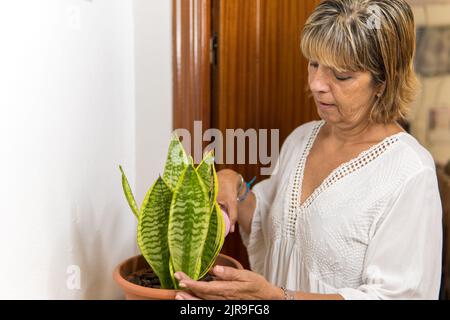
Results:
135 277
147 278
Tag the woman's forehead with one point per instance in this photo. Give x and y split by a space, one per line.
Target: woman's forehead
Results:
331 54
334 64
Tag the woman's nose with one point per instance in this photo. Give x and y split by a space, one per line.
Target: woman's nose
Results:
319 80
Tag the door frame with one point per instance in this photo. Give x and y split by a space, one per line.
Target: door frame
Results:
191 49
194 74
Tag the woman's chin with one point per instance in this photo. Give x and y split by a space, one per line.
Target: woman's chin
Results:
329 115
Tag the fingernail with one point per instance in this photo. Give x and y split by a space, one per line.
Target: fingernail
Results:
183 285
177 276
219 269
177 297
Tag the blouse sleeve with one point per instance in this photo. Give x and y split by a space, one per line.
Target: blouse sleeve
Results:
265 192
403 259
256 242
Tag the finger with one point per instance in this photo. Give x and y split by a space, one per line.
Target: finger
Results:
230 208
185 296
231 211
201 293
233 214
209 296
227 196
207 290
180 275
230 274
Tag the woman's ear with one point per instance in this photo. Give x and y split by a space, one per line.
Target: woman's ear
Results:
381 89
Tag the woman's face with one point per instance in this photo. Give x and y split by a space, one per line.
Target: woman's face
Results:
342 99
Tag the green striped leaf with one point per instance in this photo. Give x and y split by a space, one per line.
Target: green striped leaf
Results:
188 223
216 231
214 240
152 231
176 162
215 184
222 229
172 275
206 171
129 194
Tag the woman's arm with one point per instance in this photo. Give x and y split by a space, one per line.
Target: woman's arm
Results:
278 294
246 210
234 284
316 296
228 192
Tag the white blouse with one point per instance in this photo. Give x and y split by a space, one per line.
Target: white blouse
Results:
371 230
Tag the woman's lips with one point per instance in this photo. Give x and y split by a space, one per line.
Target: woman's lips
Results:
325 105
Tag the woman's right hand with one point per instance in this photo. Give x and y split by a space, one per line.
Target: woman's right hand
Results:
228 181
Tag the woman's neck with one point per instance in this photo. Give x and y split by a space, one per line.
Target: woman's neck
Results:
365 132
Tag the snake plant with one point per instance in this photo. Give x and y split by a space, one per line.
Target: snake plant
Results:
180 224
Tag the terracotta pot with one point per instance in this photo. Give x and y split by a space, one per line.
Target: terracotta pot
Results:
136 292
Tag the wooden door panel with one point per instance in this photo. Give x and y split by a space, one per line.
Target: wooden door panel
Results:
260 80
191 33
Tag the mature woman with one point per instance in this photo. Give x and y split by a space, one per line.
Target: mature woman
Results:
355 212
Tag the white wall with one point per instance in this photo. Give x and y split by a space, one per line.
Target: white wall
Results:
153 27
72 93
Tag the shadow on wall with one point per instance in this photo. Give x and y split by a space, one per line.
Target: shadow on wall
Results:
95 245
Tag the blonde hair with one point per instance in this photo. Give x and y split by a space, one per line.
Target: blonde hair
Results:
378 36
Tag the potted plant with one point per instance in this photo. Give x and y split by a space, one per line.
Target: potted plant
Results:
181 227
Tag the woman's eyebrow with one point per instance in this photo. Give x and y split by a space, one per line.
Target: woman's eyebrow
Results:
350 72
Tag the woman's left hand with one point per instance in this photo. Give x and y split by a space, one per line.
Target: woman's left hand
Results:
232 284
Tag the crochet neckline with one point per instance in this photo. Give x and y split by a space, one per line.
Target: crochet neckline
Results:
346 168
338 173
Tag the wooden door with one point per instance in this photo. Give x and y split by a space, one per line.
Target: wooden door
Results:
258 79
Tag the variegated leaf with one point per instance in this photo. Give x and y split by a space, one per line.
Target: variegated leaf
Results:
172 275
206 171
214 240
129 194
152 231
216 232
188 223
176 162
215 184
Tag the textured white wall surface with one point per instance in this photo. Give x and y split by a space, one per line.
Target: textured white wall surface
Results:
77 79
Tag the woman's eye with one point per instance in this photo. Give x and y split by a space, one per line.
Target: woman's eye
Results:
342 78
313 64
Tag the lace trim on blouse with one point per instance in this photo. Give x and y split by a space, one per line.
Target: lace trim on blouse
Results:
364 158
